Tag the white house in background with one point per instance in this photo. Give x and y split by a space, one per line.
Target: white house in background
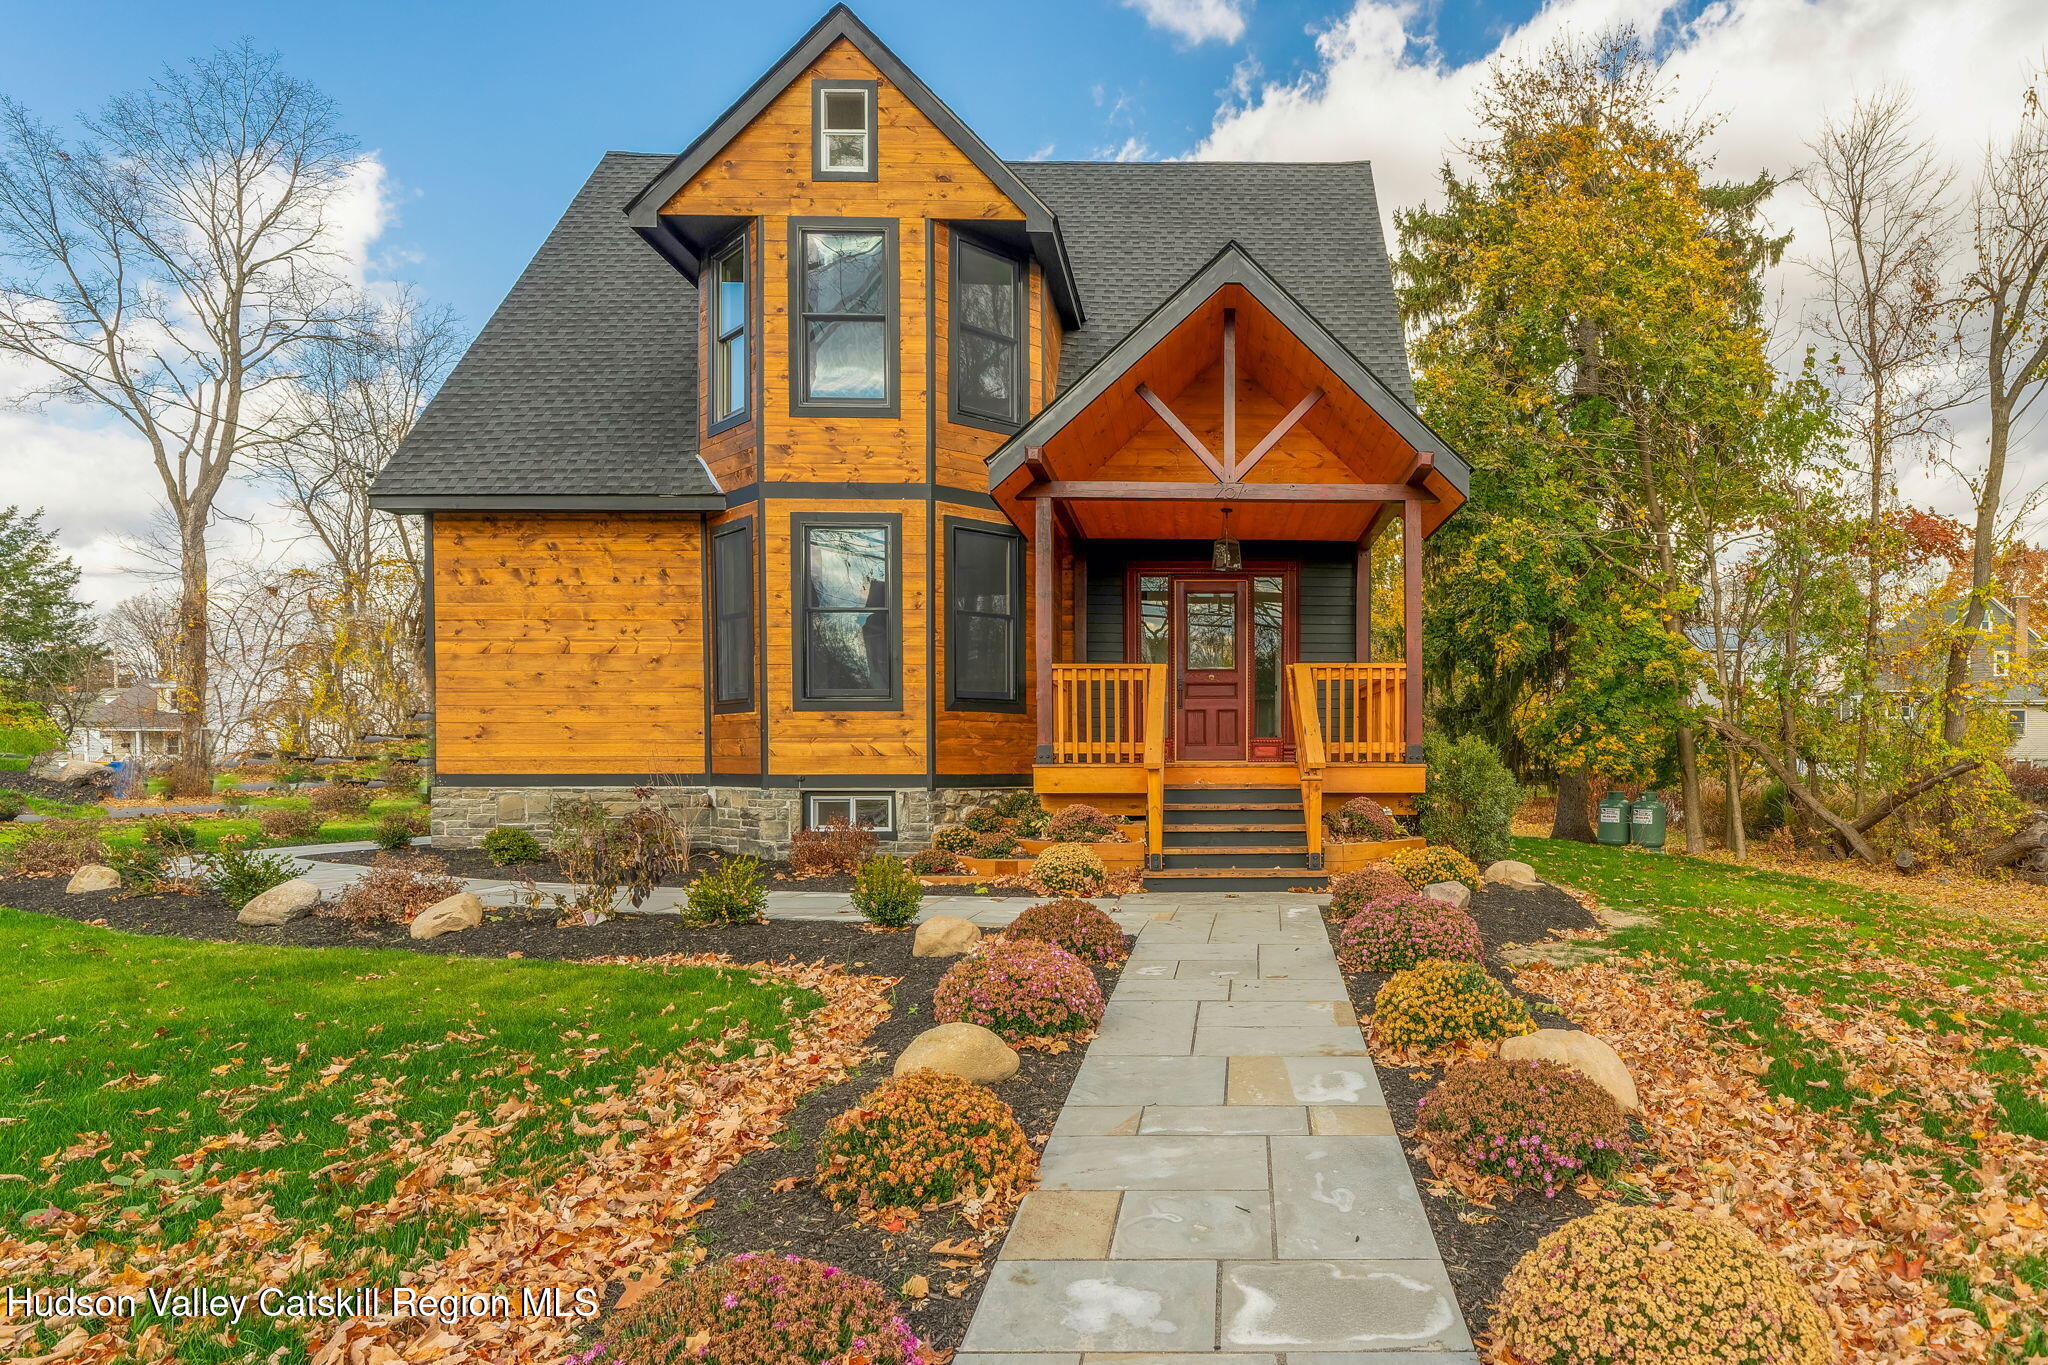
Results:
136 721
2009 655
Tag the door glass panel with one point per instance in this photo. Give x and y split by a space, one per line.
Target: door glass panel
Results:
1212 630
1152 619
1267 596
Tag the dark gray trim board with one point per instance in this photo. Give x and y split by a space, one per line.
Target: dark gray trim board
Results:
822 782
643 211
1231 265
542 502
861 492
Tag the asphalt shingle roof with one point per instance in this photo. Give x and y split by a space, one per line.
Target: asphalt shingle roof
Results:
583 383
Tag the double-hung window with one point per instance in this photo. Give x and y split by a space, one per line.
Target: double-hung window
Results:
988 336
728 327
848 595
985 625
732 616
846 325
843 117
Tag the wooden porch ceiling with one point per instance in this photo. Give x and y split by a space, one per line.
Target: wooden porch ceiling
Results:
1230 410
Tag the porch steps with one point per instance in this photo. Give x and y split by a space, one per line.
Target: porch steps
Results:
1247 838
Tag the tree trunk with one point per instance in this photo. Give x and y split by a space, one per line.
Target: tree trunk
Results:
1847 832
191 652
1570 821
1738 837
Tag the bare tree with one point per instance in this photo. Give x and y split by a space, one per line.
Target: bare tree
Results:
1884 194
171 265
2005 311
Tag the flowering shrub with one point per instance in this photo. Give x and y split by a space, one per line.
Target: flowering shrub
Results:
288 823
997 843
765 1310
1075 925
1536 1125
1349 891
1635 1284
392 892
340 798
922 1140
984 819
836 850
731 893
1364 818
1397 932
1081 824
953 838
1070 870
935 862
1440 1003
511 844
886 893
1022 989
1428 866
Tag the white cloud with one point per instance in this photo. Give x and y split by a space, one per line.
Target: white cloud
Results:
1133 148
1195 21
1380 89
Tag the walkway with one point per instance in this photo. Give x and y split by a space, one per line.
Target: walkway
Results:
1224 1186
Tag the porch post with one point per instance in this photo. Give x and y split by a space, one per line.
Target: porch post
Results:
1044 624
1362 645
1411 625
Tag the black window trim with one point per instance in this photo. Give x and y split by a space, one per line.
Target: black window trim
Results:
743 527
799 334
955 700
820 85
1019 383
851 796
800 524
713 423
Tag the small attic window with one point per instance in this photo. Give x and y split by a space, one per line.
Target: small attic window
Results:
843 113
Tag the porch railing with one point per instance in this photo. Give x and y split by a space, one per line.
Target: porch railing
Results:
1115 714
1342 713
1311 753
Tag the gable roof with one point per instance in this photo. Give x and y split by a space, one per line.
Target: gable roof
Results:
1041 225
581 390
1231 265
1138 230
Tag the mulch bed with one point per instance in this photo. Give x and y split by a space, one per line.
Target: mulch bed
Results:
1479 1246
474 862
748 1212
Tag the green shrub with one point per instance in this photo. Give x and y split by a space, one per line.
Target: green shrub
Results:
984 819
731 893
395 831
238 873
1471 798
885 892
1773 811
509 844
170 832
953 839
288 823
12 804
150 870
1070 870
1015 805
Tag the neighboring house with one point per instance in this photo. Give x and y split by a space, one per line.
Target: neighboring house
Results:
132 722
2005 669
837 469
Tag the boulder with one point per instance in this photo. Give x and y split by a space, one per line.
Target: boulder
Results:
93 877
460 911
1583 1053
78 772
945 936
966 1050
281 904
1508 872
1450 893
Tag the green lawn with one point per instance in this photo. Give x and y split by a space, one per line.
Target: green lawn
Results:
210 828
170 1093
1799 967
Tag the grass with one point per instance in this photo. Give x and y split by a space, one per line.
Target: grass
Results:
211 828
173 1094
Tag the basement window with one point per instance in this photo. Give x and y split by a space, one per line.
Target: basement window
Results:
855 810
843 113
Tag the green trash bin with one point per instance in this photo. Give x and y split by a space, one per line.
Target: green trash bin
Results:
1648 817
1612 824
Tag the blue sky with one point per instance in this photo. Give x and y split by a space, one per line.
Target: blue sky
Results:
487 117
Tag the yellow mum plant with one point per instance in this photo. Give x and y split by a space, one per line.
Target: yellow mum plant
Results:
1422 867
1439 1003
1635 1284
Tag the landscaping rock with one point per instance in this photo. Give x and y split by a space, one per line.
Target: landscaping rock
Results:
965 1050
945 936
93 877
1508 872
1450 893
281 904
460 911
1582 1052
78 772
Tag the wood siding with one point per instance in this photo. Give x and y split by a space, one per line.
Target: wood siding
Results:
568 643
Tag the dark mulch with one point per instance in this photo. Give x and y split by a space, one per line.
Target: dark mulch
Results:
52 791
1480 1252
748 1212
474 862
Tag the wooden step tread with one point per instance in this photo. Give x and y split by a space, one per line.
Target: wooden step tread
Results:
1264 873
1232 805
1211 850
1295 828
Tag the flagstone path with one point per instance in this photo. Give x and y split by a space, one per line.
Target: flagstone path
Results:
1224 1186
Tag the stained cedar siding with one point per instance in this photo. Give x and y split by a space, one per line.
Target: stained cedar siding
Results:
568 642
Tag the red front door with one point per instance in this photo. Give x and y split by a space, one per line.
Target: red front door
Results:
1213 666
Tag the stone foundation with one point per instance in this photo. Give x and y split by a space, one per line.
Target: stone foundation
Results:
757 820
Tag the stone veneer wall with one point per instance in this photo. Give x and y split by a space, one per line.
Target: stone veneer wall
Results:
756 820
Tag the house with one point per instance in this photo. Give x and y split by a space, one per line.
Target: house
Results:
835 468
2005 668
132 722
